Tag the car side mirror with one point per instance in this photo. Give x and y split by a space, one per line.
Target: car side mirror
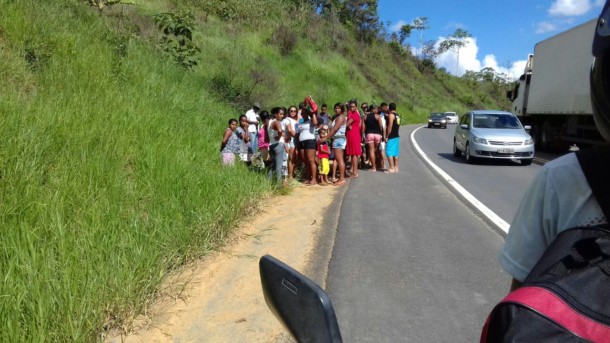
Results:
527 128
464 126
298 303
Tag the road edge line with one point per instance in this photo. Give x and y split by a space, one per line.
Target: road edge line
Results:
491 217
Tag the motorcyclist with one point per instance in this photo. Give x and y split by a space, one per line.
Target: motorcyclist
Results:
560 197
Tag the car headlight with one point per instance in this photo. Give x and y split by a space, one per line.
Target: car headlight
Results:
443 121
529 141
479 140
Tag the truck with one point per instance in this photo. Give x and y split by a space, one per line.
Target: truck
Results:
553 94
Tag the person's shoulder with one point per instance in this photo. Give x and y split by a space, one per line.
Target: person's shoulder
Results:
564 169
565 161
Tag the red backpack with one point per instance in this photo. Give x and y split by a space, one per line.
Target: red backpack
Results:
566 296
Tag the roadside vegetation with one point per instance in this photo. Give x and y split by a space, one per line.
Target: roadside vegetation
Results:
111 114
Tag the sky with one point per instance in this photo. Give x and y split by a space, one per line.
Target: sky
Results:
503 32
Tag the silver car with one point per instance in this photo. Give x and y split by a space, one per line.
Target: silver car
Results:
492 134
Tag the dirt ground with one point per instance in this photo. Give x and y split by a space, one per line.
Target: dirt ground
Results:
219 298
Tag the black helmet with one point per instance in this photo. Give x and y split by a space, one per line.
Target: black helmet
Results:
600 73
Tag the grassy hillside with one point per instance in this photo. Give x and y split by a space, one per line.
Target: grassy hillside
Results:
109 166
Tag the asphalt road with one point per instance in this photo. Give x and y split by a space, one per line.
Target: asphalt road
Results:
498 184
411 262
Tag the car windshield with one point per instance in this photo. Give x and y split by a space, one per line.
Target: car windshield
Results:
437 116
495 121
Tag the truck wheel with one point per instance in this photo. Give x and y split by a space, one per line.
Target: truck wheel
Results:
469 158
544 136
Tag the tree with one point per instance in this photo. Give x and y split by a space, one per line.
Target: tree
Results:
359 15
404 33
428 54
420 24
454 43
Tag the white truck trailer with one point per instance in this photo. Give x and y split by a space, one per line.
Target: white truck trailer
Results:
552 95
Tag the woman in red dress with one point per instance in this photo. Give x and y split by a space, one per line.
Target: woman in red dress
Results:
354 137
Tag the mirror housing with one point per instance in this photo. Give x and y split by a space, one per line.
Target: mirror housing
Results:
464 126
298 303
527 128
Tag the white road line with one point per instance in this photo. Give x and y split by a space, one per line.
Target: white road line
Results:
489 214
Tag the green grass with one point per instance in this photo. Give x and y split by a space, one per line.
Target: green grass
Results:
110 174
107 182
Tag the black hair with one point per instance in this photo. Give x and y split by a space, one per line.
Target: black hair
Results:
372 107
275 110
232 120
392 106
341 106
325 105
305 111
383 104
264 115
242 117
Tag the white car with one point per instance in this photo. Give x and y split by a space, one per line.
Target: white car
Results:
452 117
493 134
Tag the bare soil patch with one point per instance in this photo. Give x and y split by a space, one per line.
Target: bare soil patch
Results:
219 298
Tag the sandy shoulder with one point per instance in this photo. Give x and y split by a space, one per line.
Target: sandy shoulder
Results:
219 298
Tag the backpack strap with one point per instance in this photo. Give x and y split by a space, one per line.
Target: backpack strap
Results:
595 164
556 309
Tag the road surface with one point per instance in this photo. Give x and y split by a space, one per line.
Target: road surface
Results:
412 262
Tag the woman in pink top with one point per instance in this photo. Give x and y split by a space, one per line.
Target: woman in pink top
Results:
354 137
263 145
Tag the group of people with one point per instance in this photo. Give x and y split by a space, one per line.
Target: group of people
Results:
326 148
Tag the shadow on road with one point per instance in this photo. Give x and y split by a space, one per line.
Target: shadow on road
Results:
483 161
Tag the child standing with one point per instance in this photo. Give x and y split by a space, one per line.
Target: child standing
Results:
323 153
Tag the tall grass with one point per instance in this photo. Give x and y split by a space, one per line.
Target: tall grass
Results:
107 181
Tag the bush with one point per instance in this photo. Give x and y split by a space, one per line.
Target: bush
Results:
399 51
177 39
285 38
468 100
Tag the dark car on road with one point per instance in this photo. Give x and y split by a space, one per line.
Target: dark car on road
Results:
437 120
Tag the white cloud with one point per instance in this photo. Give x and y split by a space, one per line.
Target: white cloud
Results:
396 27
545 27
569 8
468 60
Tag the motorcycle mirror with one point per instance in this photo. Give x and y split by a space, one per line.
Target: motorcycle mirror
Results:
298 303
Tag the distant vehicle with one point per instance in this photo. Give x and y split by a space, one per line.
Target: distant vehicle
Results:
452 117
492 134
553 94
437 119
